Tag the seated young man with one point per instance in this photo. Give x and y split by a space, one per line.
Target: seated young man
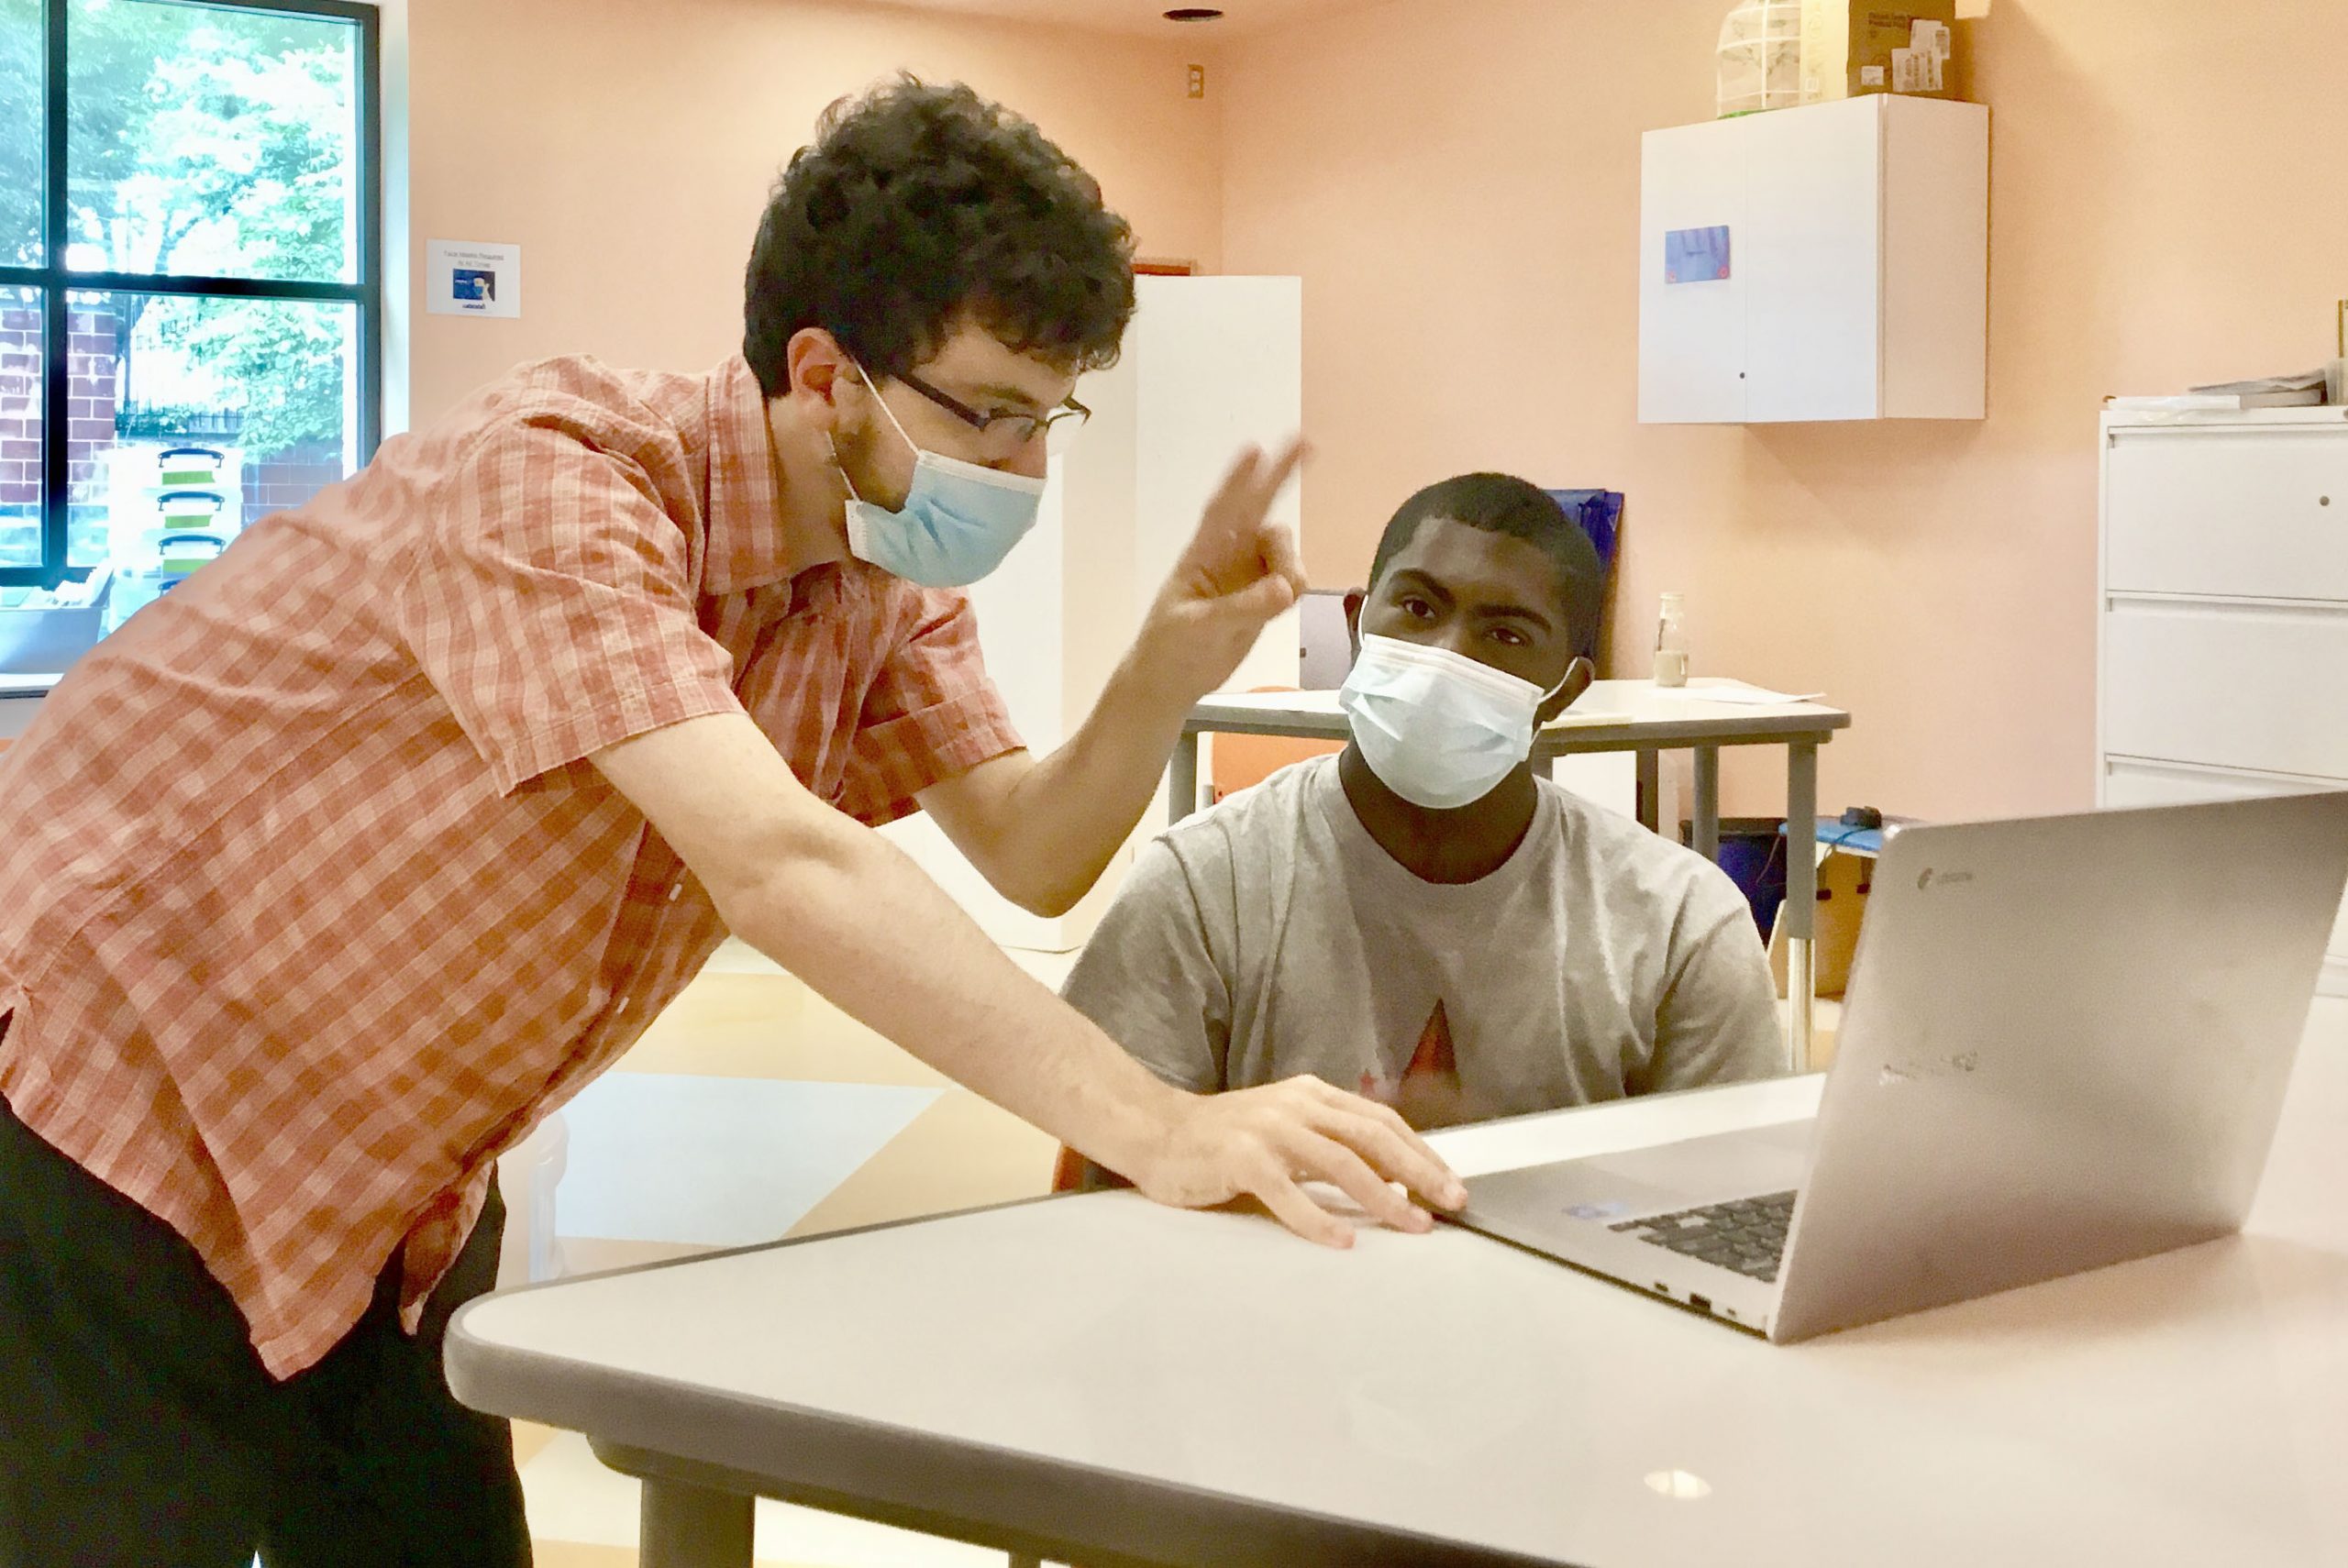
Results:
1420 919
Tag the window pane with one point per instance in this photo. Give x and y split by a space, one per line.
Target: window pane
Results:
193 416
20 394
219 143
23 124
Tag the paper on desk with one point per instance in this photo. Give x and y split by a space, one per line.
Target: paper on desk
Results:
1739 694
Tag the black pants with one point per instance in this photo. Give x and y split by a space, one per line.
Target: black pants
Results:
137 1424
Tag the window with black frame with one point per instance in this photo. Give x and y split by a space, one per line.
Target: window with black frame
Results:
190 308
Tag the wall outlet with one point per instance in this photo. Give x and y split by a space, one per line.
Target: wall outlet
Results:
1197 81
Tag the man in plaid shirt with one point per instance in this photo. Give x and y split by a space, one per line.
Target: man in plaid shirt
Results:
342 866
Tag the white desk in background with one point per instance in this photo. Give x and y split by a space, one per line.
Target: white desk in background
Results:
20 697
1612 715
1104 1382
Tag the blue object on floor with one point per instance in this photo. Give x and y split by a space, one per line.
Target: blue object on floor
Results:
1833 834
1752 854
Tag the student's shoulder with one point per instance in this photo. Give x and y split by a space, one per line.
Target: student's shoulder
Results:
1633 863
1249 825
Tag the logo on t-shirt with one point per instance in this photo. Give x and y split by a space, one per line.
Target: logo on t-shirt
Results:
1427 1090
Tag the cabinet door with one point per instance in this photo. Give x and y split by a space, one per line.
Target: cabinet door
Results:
1812 262
2257 511
1692 333
1935 311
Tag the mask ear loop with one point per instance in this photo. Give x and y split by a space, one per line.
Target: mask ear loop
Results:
873 387
840 468
1562 680
873 391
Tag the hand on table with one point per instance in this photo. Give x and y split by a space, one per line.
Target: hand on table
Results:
1265 1142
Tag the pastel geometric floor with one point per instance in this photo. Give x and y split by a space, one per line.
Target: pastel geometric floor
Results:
752 1110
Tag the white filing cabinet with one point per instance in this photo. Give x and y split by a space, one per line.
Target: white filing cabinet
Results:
2222 638
1858 251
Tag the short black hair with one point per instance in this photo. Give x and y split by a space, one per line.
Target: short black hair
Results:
917 203
1503 503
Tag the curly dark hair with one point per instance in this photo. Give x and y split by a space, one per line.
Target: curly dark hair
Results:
917 205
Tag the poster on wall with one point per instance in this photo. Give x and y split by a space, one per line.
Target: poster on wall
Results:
1695 255
471 277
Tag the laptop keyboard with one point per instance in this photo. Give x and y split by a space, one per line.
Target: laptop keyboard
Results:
1747 1235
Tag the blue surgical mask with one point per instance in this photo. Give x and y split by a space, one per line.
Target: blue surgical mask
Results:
958 522
1438 728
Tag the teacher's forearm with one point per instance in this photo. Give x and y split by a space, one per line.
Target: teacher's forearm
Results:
1067 817
835 909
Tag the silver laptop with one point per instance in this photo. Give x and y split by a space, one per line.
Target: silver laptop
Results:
2065 1044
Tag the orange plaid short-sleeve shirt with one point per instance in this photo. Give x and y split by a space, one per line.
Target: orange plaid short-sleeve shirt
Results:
310 902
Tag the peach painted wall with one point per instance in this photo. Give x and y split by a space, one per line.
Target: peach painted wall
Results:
1457 183
627 148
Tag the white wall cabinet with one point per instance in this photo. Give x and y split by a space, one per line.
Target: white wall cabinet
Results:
2222 645
1857 285
1210 365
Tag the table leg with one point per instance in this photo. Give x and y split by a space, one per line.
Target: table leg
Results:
1182 777
1801 899
686 1526
1651 791
1708 802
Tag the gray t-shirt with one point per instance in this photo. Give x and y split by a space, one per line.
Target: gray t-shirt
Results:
1273 936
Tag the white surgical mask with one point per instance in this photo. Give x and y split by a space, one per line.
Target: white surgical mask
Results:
1438 728
958 522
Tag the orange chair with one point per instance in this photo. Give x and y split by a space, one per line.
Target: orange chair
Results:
1242 761
1071 1172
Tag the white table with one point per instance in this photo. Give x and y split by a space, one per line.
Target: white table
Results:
1105 1382
20 697
1612 715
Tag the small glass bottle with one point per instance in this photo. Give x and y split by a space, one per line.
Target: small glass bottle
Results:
1671 644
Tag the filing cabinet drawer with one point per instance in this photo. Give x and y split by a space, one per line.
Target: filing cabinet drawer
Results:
2260 512
2262 688
2139 781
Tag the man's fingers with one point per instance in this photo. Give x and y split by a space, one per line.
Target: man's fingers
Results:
1393 1146
1385 1152
1221 523
1278 548
1331 1160
1269 479
1264 598
1232 548
1294 1207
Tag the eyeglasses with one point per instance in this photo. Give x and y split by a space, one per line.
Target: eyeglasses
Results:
1002 428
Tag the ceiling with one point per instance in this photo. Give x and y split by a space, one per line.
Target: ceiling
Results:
1146 17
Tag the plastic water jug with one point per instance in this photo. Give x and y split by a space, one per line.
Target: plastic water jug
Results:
1759 63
